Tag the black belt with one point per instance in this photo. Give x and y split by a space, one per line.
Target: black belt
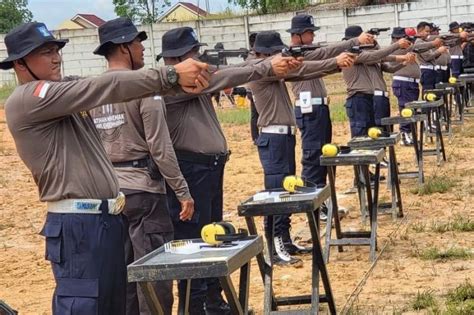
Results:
202 158
365 95
141 163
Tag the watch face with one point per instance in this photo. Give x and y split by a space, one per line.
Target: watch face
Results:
172 75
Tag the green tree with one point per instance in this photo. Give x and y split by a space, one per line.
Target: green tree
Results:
268 6
143 11
13 13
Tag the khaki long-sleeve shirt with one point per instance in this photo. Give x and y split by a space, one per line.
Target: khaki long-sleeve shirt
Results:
360 78
316 87
56 138
271 97
133 131
192 120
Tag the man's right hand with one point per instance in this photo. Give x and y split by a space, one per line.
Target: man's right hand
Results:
404 43
345 60
442 49
193 75
366 39
282 65
438 42
187 209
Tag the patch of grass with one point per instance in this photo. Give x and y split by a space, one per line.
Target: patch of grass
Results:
433 253
461 299
436 184
418 227
5 92
338 112
424 300
459 224
233 116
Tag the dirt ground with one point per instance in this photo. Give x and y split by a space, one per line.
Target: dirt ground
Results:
26 281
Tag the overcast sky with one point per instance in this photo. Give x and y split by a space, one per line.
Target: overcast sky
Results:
53 12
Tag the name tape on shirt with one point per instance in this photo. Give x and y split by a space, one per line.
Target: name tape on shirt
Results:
41 89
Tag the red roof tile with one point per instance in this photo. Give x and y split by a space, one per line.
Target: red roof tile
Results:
92 18
194 8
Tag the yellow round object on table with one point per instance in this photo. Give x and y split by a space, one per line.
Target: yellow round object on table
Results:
330 150
374 132
452 80
209 232
240 101
291 182
407 112
430 97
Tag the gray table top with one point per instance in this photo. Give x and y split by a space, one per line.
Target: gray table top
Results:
466 77
424 104
449 86
369 143
207 262
276 202
355 157
403 120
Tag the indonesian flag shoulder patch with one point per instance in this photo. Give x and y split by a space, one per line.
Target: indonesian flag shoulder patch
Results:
41 89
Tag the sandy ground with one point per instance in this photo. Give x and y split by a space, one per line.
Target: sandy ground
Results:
26 281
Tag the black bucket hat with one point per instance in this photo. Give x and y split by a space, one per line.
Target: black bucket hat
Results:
117 31
179 41
454 25
301 23
435 27
352 32
398 32
268 42
25 38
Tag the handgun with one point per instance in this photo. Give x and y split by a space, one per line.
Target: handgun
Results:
217 57
358 49
376 31
298 51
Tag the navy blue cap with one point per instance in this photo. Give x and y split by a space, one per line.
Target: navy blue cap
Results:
301 23
25 38
117 31
352 32
268 42
453 25
398 32
179 41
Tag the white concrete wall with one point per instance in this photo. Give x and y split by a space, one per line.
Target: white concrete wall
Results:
79 60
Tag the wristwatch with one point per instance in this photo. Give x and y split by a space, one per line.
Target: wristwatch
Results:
172 75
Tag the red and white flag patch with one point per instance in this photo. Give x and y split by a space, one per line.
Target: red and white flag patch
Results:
41 89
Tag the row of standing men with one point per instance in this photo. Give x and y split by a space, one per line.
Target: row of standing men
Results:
152 139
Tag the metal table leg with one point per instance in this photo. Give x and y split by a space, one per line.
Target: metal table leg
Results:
232 298
319 266
262 265
151 298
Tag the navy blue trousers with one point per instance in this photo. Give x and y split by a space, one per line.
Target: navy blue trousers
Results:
428 79
316 131
360 110
456 67
86 252
277 155
405 92
442 76
381 109
205 185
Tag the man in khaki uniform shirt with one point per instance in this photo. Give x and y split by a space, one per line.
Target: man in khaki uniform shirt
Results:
314 121
364 95
57 140
276 142
202 151
136 138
